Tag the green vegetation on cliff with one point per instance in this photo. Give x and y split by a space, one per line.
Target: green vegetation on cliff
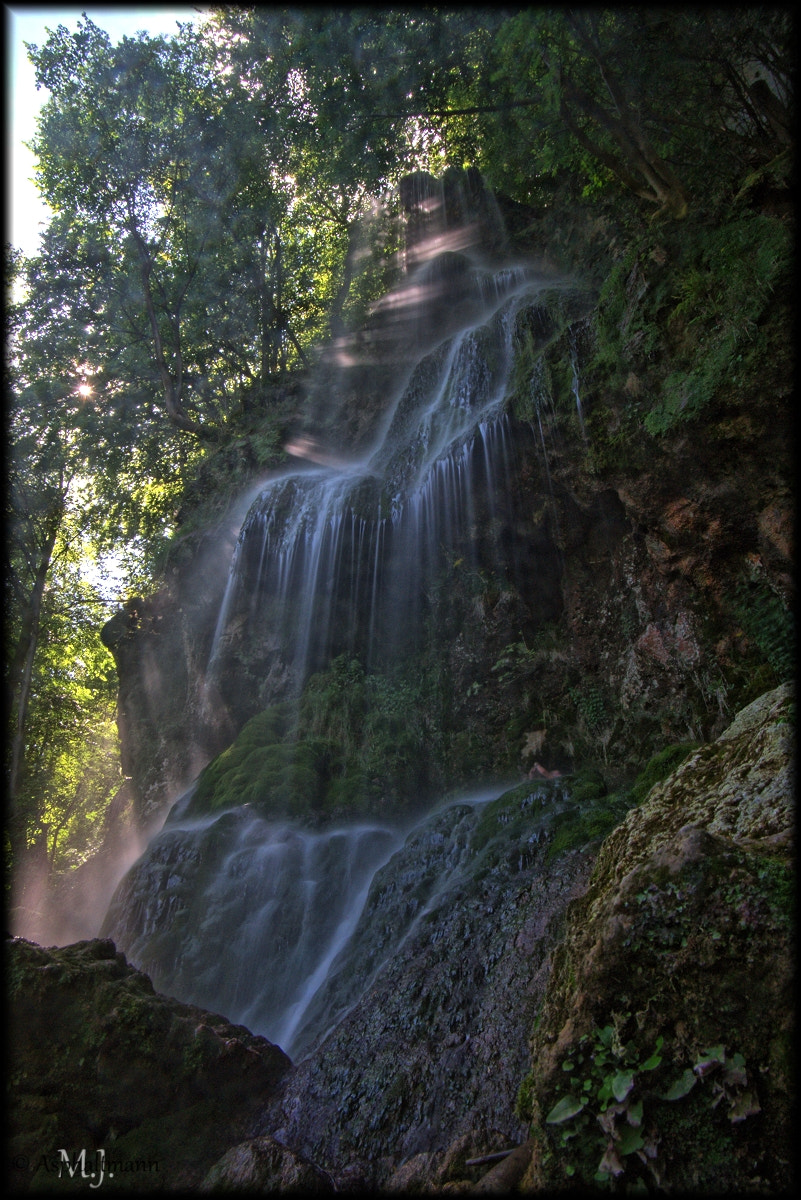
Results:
355 745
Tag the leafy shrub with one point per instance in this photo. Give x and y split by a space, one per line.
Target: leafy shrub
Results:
721 296
590 705
606 1121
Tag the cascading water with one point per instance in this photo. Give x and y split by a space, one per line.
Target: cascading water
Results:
217 904
338 556
282 928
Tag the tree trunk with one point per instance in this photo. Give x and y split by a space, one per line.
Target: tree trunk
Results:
663 186
264 305
20 681
335 321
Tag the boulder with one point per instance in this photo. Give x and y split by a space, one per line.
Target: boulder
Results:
662 1053
264 1165
101 1063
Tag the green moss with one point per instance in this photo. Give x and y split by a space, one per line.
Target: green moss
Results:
514 816
596 818
768 622
658 768
354 743
587 784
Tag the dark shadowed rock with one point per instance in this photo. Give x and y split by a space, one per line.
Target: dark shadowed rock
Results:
264 1165
99 1061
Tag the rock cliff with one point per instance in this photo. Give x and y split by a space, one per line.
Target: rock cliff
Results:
621 1013
662 1053
620 579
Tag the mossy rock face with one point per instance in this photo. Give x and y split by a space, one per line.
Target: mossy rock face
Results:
659 767
270 768
662 1053
101 1061
354 745
586 785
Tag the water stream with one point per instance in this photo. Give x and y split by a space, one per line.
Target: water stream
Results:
283 929
339 554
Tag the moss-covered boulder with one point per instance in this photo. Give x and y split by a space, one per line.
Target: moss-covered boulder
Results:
152 1090
661 1055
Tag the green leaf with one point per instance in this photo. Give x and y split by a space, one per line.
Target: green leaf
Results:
746 1105
605 1091
680 1087
630 1140
709 1059
655 1058
622 1084
564 1109
634 1114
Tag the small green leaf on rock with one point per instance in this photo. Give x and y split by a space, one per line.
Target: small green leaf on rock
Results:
656 1057
564 1109
629 1140
680 1087
709 1059
746 1105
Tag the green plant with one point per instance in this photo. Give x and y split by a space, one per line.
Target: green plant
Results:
516 658
590 704
604 1107
658 768
597 816
768 623
600 1122
721 293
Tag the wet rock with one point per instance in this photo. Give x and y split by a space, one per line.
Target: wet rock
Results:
431 1006
264 1165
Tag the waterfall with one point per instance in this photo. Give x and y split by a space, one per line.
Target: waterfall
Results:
243 916
282 929
339 557
408 466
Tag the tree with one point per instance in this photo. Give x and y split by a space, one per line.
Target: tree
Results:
59 681
142 160
670 103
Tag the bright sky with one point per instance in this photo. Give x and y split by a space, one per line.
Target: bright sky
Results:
27 214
